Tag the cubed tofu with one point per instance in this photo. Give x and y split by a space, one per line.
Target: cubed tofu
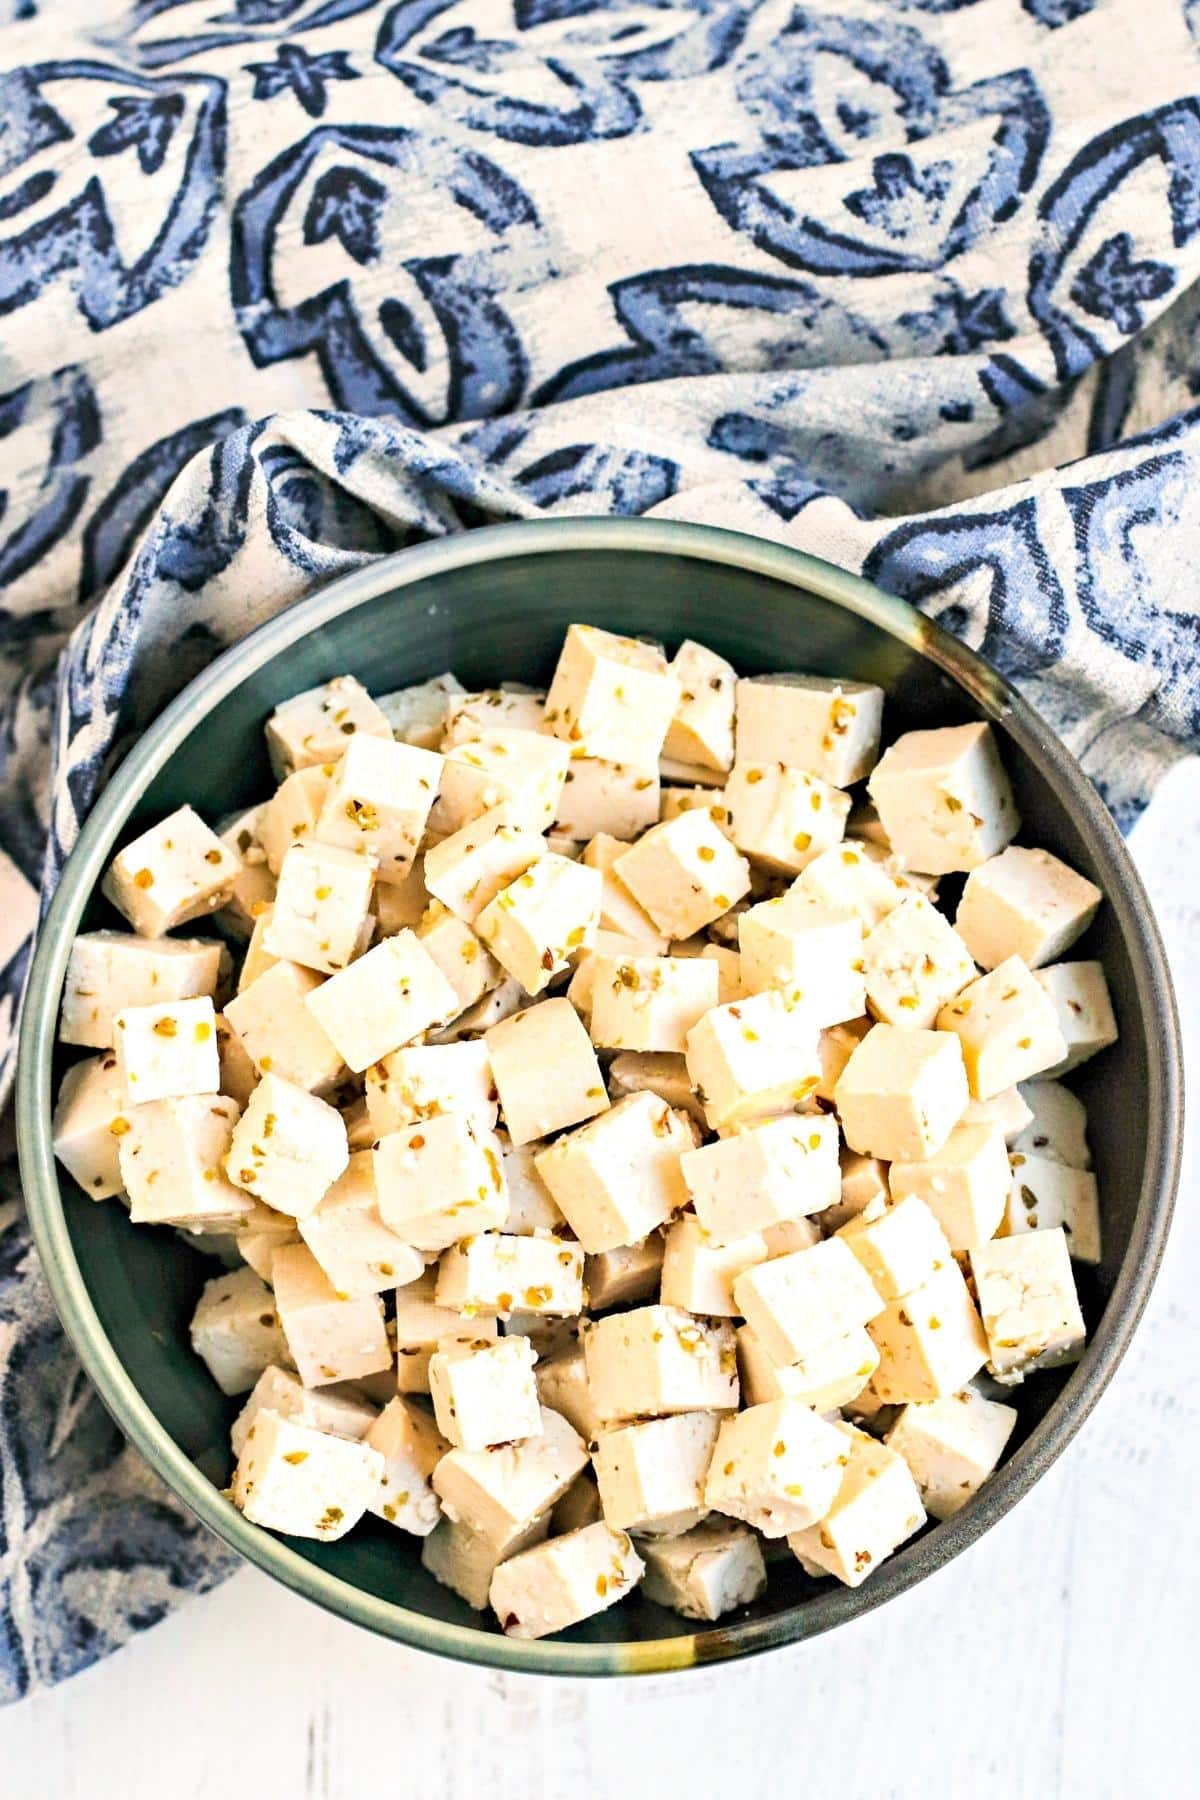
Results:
1079 994
563 1386
730 983
849 880
1007 1111
470 867
1058 1126
545 1070
411 1447
864 1190
401 905
831 1376
611 944
684 874
322 907
278 1031
235 1330
752 1059
915 962
288 1147
836 1045
701 729
658 1360
485 1393
780 817
111 970
698 1274
254 885
290 815
417 715
531 1206
91 1115
239 1077
706 1572
422 1081
951 1446
559 1583
262 1235
378 802
930 1342
494 1272
829 728
177 871
164 1052
810 950
799 1302
618 1177
357 1251
655 1072
384 1000
1028 1302
651 1474
500 1492
876 1509
319 725
1044 1194
944 798
1024 903
776 1466
339 1412
439 1181
900 1250
1007 1026
613 797
764 1175
630 1272
902 1093
421 1325
258 959
302 1482
650 1002
534 926
619 911
172 1160
461 958
521 772
513 708
332 1335
964 1184
464 1562
612 696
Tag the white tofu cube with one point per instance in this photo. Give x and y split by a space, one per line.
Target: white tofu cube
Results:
470 867
730 984
497 1273
262 1235
288 1147
534 926
290 815
951 1446
944 799
580 989
531 1206
830 728
164 1052
602 796
789 1235
964 1184
1079 994
401 905
417 715
1007 1111
176 871
698 1273
618 1177
235 1331
612 696
864 1191
500 1492
706 1572
1043 1194
411 1447
915 962
561 1582
1058 1127
651 1475
655 1072
451 944
378 802
356 1250
91 1115
439 1181
753 1058
469 716
254 885
520 771
258 959
171 1163
803 946
1029 1304
836 1045
930 1342
876 1509
562 1386
630 1272
684 874
831 1376
278 1031
848 880
339 1412
239 1077
485 1394
111 970
322 907
302 1482
424 1080
619 911
421 1325
799 1302
701 729
1024 903
545 1071
463 1562
319 725
650 1002
776 1466
657 1360
1007 1026
781 818
902 1093
332 1335
385 999
901 1250
764 1175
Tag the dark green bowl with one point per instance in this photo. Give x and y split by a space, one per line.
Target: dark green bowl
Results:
494 604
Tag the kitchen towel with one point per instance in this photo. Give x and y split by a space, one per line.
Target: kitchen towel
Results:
287 284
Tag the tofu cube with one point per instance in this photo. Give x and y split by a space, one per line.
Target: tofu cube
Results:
378 802
520 771
964 1184
902 1093
877 1507
619 911
780 817
655 1072
799 1302
1024 903
290 816
531 1206
684 874
500 1492
701 729
91 1115
618 1177
658 1360
776 1466
485 1394
563 1386
319 725
764 1175
651 1475
304 1482
1058 1127
915 962
385 999
803 946
278 1031
864 1191
1007 1026
421 1325
322 907
164 1052
613 797
422 1081
848 880
1028 1302
262 1235
513 708
1007 1111
706 1572
176 871
1042 1195
561 1582
401 904
339 1412
471 866
534 926
258 959
830 728
332 1335
411 1447
545 1071
698 1274
630 1272
171 1163
356 1250
497 1273
944 799
1079 995
612 696
254 885
930 1342
417 715
650 1002
951 1446
470 970
901 1249
752 1059
111 970
235 1330
440 1180
832 1376
288 1147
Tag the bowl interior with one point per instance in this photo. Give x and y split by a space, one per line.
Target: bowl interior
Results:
504 619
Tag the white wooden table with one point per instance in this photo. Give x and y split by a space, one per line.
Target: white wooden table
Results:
1058 1657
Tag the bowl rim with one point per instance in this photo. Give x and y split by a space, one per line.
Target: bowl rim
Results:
402 569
